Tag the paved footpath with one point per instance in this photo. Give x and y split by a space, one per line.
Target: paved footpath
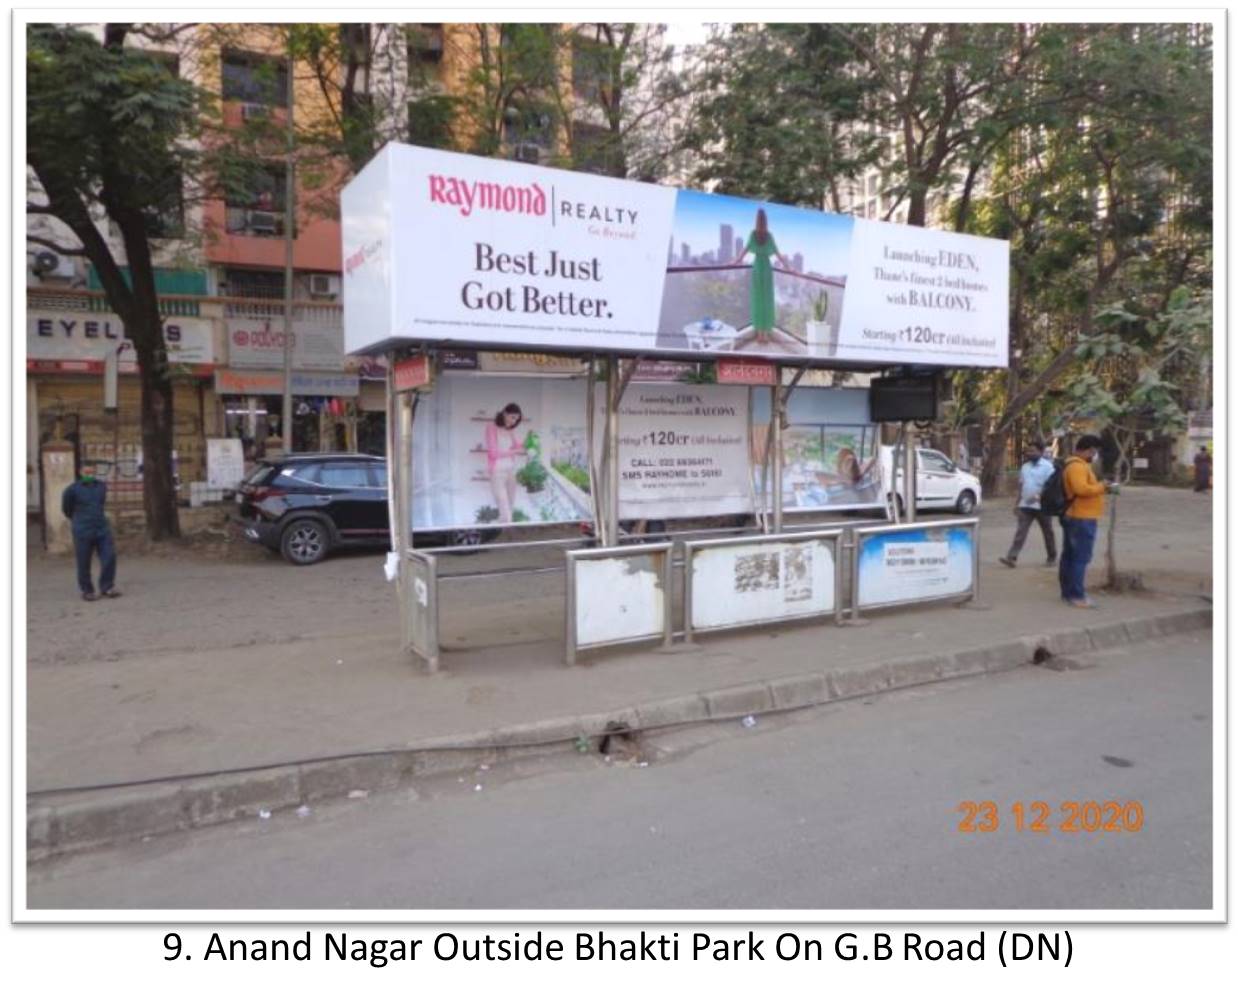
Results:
210 665
850 806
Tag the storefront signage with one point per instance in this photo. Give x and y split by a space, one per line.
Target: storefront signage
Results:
481 251
916 564
539 363
412 373
82 341
454 359
756 372
272 382
260 343
663 371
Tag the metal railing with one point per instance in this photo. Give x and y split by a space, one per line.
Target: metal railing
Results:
322 313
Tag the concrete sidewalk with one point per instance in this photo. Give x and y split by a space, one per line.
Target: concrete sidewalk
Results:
138 702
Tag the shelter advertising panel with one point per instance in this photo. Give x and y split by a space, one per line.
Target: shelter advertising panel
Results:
915 564
830 450
683 450
760 581
445 247
499 451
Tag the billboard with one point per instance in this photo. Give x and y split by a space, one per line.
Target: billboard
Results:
513 450
449 248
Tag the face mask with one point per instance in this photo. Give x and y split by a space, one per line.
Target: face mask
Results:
88 478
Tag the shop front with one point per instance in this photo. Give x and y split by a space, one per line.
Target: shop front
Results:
325 410
67 355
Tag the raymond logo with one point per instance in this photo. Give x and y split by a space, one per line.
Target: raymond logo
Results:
471 195
240 337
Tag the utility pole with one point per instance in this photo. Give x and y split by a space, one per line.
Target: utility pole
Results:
290 216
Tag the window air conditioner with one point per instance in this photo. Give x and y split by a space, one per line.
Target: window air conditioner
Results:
527 152
261 222
324 284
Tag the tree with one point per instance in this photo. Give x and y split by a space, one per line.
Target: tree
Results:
107 126
776 114
949 92
1105 195
1126 388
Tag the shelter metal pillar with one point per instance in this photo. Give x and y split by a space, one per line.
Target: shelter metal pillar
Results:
611 532
909 472
400 477
776 420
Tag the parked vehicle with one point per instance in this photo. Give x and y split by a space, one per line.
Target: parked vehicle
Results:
940 483
308 504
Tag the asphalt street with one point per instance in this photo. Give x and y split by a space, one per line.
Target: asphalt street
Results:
852 806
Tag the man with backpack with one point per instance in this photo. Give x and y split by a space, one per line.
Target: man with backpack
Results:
1033 476
1080 497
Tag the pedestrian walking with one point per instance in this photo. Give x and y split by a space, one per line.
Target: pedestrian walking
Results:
1203 469
1085 496
1035 472
82 504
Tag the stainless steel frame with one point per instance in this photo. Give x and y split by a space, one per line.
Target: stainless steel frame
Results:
572 645
969 596
693 546
422 629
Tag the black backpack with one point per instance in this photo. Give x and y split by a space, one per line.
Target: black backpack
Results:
1053 500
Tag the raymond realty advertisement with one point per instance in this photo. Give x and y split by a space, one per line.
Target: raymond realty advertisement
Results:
449 248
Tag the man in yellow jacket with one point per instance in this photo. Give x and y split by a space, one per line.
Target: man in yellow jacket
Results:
1085 497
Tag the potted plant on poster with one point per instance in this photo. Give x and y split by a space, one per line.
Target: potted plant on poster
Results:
821 340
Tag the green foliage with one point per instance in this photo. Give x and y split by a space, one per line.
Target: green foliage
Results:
520 515
821 306
579 476
532 476
486 513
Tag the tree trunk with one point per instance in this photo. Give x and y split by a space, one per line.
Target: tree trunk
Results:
994 469
917 202
158 484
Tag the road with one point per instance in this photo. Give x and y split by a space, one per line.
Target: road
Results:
852 806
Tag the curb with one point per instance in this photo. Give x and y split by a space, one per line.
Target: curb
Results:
66 822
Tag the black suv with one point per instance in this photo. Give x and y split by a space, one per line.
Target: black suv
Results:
306 504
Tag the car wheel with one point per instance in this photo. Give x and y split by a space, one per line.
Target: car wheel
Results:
304 541
966 503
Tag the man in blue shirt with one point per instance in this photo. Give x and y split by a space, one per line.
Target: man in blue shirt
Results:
82 504
1033 476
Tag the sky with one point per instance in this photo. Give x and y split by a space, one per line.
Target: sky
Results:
823 239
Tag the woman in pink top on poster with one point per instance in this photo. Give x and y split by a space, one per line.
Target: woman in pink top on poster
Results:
503 451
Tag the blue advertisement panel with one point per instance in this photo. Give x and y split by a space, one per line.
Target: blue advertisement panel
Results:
920 563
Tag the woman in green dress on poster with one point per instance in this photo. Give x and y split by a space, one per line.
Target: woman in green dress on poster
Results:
761 294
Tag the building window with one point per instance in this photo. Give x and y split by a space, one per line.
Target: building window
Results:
264 284
255 79
425 43
260 210
590 69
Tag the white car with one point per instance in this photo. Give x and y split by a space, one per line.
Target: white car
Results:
940 482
